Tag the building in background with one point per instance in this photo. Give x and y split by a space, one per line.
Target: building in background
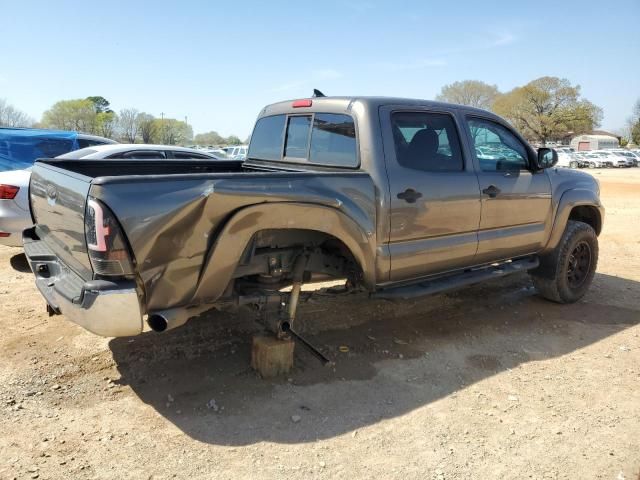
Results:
596 140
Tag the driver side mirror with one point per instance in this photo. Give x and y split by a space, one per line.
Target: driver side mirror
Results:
547 158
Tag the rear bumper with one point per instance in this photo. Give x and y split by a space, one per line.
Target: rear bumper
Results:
106 308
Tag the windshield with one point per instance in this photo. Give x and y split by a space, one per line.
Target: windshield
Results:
19 148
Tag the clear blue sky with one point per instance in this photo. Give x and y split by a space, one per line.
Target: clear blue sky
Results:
219 62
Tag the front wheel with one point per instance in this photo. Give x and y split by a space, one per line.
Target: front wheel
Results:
564 275
573 164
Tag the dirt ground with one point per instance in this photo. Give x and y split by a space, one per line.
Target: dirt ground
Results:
487 382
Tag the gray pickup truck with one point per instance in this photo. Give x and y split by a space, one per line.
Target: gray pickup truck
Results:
399 197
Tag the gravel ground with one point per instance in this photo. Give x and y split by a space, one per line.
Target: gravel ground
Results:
487 382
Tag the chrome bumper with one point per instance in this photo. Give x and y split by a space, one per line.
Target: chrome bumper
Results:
106 308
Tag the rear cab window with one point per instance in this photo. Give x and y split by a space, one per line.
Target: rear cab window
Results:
324 139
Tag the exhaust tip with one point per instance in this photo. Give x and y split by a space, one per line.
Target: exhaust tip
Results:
157 323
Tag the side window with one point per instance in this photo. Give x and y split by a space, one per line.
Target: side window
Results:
427 141
297 137
496 148
333 140
267 138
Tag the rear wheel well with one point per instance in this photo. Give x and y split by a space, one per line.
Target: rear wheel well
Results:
588 215
270 255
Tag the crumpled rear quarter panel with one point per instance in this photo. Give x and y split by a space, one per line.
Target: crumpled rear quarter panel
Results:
172 222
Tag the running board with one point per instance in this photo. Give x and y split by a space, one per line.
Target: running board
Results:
457 280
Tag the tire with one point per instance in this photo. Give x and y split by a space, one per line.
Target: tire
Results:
573 164
565 274
592 165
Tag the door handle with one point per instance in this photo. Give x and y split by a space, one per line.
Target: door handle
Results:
409 195
492 191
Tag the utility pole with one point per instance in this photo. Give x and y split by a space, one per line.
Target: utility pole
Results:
162 126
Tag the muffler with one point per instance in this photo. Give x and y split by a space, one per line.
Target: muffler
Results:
164 320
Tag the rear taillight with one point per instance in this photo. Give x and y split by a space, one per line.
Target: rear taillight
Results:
8 192
108 249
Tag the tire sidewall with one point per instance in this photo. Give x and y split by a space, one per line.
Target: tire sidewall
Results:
579 233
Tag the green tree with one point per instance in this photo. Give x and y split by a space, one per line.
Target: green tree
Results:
79 115
635 133
632 130
146 127
106 123
100 104
469 92
169 131
548 108
233 140
209 138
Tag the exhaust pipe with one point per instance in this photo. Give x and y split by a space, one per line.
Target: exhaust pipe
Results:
164 320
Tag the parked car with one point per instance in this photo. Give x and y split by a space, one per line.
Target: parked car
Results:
139 151
564 150
19 147
219 153
568 160
616 160
593 160
352 188
631 156
238 152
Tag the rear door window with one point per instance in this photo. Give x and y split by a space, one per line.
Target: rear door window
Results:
427 141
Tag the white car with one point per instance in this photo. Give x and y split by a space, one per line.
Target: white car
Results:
238 152
617 160
139 151
630 155
567 159
593 160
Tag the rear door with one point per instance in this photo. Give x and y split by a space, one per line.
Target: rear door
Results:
435 197
516 201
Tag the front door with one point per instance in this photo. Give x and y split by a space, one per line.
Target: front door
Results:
435 198
516 201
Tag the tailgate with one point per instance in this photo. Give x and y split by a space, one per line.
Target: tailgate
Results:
58 199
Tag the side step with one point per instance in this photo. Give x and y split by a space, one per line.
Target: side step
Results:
457 280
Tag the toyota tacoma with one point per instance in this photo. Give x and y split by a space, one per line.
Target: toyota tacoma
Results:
399 197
